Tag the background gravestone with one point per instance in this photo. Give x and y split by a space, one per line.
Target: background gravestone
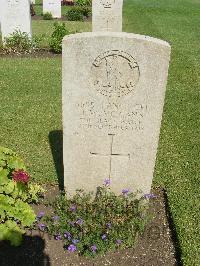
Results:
53 7
113 99
15 15
107 15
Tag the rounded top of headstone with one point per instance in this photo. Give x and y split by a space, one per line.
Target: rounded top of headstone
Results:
116 35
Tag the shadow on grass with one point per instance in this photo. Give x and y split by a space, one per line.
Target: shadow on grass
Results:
173 232
56 143
30 253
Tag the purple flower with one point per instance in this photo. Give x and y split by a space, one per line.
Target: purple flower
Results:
67 235
40 215
107 182
71 223
73 208
118 241
71 248
75 241
104 237
42 227
80 221
125 191
149 196
108 225
93 248
57 237
55 218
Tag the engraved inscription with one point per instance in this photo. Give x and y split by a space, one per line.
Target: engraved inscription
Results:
13 2
105 116
107 3
109 22
116 74
14 7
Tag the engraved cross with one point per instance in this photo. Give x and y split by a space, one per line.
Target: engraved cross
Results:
111 154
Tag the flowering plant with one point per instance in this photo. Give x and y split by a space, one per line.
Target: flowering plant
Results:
93 225
20 176
15 212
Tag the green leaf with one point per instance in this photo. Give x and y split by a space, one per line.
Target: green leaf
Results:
8 188
16 163
14 233
4 176
3 231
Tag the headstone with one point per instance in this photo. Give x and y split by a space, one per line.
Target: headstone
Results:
15 15
107 15
53 7
113 96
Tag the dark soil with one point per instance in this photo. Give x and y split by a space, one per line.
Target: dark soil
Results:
36 17
63 18
155 247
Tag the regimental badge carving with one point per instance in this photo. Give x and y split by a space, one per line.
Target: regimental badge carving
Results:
115 74
107 3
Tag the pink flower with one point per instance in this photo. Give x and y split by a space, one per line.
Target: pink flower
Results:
20 176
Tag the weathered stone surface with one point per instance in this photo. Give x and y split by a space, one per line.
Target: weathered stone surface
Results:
113 96
15 15
52 6
107 15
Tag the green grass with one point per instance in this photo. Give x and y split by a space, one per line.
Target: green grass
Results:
30 93
44 29
31 108
177 167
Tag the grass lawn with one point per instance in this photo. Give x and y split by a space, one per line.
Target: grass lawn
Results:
30 93
177 167
44 29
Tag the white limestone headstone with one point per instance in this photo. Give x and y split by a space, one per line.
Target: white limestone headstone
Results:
53 7
15 15
107 15
113 95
